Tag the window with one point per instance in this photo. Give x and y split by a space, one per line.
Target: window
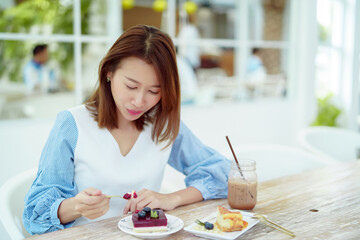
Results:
237 45
337 59
241 45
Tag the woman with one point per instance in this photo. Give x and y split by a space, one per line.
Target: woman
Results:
120 141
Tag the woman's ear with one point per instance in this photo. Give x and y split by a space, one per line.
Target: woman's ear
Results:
109 75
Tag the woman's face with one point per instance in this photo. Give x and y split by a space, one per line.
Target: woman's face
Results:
135 88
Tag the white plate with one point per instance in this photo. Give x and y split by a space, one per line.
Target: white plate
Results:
223 235
174 224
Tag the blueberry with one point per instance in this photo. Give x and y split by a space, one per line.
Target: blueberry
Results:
147 209
209 225
142 214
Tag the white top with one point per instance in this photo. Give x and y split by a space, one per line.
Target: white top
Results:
97 149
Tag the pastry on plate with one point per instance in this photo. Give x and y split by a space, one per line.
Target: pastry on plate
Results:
229 221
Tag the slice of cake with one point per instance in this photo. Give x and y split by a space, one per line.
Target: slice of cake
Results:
229 221
149 220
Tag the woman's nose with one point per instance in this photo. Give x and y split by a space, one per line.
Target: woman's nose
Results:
139 100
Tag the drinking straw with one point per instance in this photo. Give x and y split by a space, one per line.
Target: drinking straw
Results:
237 163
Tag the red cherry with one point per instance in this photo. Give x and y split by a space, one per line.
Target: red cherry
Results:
127 196
135 195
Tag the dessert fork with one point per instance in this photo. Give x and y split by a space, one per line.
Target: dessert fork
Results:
111 196
273 225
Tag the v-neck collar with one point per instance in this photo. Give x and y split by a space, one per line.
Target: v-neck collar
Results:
138 139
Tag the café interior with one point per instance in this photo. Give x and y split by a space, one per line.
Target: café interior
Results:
280 78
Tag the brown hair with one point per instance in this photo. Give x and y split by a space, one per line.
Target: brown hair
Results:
156 48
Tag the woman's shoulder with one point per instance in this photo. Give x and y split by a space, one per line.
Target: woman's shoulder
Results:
71 113
184 128
64 126
83 117
72 116
80 113
81 109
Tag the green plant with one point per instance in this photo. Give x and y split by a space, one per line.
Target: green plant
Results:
323 33
41 14
327 112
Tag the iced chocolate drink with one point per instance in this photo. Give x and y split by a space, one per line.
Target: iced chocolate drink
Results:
242 185
242 194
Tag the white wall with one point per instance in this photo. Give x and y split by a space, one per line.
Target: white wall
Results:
265 121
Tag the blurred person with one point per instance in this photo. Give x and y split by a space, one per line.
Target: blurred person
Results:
255 62
120 140
190 52
188 79
255 72
38 76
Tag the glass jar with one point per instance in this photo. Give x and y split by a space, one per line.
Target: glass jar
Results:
242 185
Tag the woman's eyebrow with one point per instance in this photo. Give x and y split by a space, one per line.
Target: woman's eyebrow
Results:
137 82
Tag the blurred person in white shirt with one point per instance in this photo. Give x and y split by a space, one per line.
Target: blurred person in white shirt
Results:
38 76
255 72
188 35
188 79
255 67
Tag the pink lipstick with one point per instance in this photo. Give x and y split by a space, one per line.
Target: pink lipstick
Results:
132 112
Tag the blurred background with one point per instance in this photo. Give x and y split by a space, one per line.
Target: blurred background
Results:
255 70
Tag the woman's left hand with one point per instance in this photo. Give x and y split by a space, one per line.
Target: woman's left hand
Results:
148 198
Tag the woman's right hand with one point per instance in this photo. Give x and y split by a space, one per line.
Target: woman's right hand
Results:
89 203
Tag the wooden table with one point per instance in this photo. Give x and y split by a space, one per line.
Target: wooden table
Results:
333 191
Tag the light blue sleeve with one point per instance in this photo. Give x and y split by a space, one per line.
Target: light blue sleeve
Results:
55 178
205 169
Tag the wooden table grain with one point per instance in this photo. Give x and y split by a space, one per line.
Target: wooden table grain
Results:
333 191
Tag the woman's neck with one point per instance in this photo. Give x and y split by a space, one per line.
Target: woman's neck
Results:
124 124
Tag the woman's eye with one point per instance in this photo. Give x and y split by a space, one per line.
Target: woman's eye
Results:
154 92
129 87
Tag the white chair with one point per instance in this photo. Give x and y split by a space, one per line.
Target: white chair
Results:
274 160
12 194
334 144
173 180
